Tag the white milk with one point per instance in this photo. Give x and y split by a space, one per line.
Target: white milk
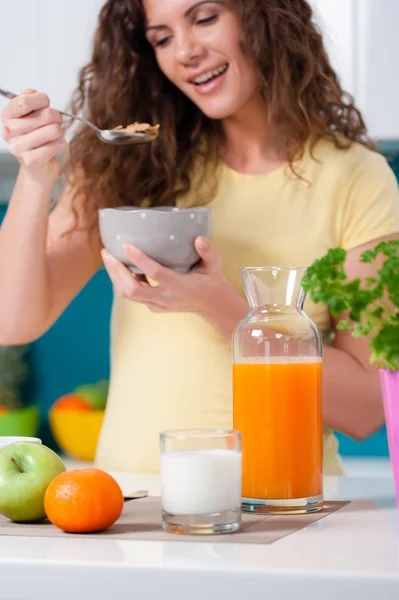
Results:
198 482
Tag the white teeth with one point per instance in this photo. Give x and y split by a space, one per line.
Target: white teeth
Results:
208 76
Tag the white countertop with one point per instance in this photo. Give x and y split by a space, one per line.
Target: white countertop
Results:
351 554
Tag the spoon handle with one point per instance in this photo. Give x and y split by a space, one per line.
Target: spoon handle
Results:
88 123
7 94
10 96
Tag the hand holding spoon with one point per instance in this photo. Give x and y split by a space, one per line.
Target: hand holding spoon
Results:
109 136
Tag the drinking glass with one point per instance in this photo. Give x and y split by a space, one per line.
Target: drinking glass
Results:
201 481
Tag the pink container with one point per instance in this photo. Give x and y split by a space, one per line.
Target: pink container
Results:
390 394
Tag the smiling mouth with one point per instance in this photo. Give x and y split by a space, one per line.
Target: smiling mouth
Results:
210 76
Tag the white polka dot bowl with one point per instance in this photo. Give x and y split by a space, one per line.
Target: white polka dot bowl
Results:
164 233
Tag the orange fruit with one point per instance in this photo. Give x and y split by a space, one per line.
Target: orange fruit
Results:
71 402
83 501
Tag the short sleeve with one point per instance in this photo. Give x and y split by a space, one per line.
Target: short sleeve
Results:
372 203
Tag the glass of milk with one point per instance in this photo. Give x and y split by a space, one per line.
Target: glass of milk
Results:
201 475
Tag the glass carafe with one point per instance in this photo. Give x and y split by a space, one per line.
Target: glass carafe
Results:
277 373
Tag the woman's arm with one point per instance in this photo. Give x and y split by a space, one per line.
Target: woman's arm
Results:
352 400
41 270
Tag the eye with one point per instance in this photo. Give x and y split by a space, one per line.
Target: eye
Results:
206 20
162 41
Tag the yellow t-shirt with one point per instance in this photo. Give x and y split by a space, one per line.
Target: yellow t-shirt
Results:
171 371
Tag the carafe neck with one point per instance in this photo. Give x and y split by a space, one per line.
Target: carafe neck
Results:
274 289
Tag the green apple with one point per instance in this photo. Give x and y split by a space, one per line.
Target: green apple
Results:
26 470
94 395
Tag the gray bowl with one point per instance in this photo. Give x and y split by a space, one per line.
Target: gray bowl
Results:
166 233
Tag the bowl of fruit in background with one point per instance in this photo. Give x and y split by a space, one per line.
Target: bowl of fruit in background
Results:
76 418
23 421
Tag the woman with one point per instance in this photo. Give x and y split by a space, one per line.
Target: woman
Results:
255 124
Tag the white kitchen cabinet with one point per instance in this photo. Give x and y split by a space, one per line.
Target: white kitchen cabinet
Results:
377 73
66 29
19 43
363 42
337 22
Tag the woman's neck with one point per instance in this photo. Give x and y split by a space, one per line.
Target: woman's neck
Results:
250 144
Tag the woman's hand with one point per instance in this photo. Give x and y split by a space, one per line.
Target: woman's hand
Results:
174 292
34 135
203 291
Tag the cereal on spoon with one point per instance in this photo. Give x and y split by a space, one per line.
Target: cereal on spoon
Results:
139 128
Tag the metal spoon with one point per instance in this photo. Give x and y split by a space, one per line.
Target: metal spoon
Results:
109 136
136 495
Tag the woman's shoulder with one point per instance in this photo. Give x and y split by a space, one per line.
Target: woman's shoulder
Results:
364 191
353 157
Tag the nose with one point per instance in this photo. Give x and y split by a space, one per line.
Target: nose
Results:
188 49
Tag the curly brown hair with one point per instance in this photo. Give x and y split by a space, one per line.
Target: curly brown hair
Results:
122 83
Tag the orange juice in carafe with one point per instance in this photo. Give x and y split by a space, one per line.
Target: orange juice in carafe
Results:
277 372
277 407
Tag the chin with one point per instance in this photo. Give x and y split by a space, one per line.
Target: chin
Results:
217 111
